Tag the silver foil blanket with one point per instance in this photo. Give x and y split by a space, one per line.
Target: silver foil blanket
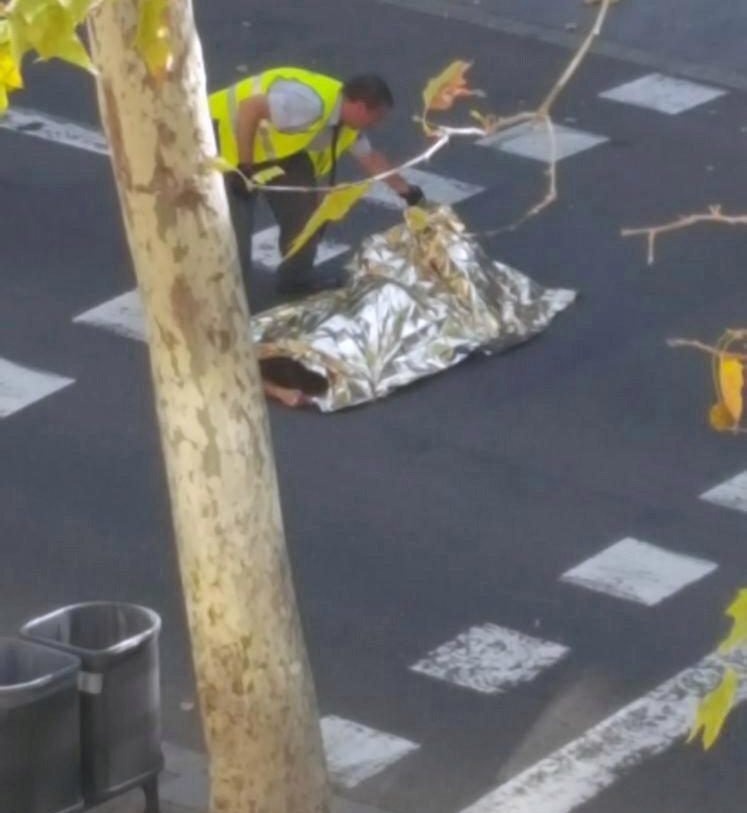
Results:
421 297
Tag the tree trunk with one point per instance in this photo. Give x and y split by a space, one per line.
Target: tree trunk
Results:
256 691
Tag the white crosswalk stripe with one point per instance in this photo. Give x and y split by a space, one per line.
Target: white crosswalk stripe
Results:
730 494
122 315
664 94
490 659
437 189
20 386
532 140
356 752
51 128
639 571
266 254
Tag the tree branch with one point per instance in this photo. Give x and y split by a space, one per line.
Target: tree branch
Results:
713 215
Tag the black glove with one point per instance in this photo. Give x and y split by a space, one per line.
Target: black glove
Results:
413 196
237 184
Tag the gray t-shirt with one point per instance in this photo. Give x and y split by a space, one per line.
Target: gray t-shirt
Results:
295 106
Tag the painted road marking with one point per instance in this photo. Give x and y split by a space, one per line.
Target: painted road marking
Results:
490 659
662 93
579 771
638 571
731 494
265 253
532 140
21 387
356 752
437 189
185 782
122 315
51 128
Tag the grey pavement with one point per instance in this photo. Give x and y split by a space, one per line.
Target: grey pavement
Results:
694 37
459 503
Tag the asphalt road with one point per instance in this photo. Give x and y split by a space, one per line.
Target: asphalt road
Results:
458 502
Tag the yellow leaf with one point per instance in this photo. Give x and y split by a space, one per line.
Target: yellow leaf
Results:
267 175
737 610
49 28
714 709
153 37
10 75
219 164
720 418
416 218
335 206
442 90
78 8
731 382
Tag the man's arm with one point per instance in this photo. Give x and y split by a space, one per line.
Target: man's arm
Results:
251 112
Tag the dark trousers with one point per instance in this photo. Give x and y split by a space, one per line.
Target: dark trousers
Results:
291 210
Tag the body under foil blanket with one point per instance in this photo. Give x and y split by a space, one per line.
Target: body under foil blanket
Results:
421 297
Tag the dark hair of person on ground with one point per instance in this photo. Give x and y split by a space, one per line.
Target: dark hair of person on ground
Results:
370 89
292 375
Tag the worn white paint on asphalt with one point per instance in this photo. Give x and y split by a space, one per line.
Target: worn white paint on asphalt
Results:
665 94
356 752
437 189
51 128
266 255
639 571
185 782
490 659
532 140
731 494
122 315
20 387
579 771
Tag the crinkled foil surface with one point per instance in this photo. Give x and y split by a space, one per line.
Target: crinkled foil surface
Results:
421 297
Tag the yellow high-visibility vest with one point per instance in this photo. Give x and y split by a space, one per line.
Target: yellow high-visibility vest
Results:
271 143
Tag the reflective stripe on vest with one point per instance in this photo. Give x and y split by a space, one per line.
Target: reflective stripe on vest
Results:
271 143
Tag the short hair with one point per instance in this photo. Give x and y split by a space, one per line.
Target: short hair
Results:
370 89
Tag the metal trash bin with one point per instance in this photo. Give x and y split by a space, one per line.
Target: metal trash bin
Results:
120 693
39 730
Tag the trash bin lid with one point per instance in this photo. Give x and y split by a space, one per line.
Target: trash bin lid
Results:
30 671
100 631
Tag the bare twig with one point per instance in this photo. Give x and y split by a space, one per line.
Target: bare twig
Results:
426 155
707 348
713 215
577 59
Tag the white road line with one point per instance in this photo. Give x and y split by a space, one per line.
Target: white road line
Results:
185 782
664 94
582 769
122 315
731 494
639 571
437 189
490 659
21 387
356 753
265 253
51 128
532 140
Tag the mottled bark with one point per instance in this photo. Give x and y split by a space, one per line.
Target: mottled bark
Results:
256 692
